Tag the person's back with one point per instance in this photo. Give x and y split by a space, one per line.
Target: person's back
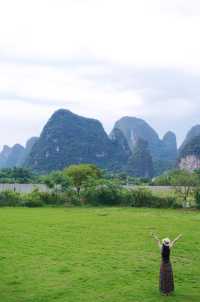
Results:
165 252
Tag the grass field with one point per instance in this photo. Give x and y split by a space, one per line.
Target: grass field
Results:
95 254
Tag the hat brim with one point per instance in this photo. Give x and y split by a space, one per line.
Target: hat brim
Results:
166 243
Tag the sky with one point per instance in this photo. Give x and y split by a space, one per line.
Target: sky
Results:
103 59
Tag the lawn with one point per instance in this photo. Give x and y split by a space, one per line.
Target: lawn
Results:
95 254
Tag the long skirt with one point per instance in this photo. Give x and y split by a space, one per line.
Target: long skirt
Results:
166 278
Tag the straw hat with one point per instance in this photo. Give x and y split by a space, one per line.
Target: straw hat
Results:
166 241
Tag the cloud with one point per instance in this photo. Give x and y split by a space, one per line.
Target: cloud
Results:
139 32
186 8
99 58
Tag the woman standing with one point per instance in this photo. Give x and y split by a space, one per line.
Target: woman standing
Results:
166 271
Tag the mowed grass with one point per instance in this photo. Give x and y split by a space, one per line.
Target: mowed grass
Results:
95 254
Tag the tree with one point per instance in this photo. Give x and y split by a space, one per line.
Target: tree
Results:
162 180
79 174
16 174
55 179
184 182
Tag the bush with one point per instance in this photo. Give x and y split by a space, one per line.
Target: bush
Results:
164 202
102 193
32 203
33 199
127 198
71 198
38 199
143 197
9 198
197 197
52 198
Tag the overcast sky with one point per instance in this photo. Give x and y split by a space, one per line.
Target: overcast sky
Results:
99 58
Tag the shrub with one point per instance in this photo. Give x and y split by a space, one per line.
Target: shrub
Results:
197 197
102 193
52 198
38 199
9 198
143 197
127 197
47 198
72 198
33 199
32 203
164 202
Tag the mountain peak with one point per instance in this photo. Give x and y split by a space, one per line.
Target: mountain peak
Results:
192 133
169 135
134 128
62 111
68 138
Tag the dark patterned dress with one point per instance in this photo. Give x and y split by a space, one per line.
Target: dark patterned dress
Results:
166 272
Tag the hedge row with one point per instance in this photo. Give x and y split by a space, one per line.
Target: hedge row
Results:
34 199
106 195
113 195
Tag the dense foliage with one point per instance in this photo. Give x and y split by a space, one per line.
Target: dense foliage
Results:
86 184
17 175
197 197
184 182
103 193
80 174
56 180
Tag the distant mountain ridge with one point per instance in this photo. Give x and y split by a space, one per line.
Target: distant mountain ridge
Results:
133 146
15 156
71 139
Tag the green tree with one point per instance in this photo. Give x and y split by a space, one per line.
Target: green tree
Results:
19 175
184 182
162 180
57 179
80 174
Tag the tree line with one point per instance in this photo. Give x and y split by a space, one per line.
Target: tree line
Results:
86 184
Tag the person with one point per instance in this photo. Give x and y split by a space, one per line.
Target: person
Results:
166 272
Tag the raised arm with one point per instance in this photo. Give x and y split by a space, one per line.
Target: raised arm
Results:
157 239
175 240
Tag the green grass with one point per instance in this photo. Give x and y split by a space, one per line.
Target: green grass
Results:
95 254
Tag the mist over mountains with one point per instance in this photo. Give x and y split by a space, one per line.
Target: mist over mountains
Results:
133 146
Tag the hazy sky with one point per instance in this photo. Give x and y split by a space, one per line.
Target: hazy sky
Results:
99 58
